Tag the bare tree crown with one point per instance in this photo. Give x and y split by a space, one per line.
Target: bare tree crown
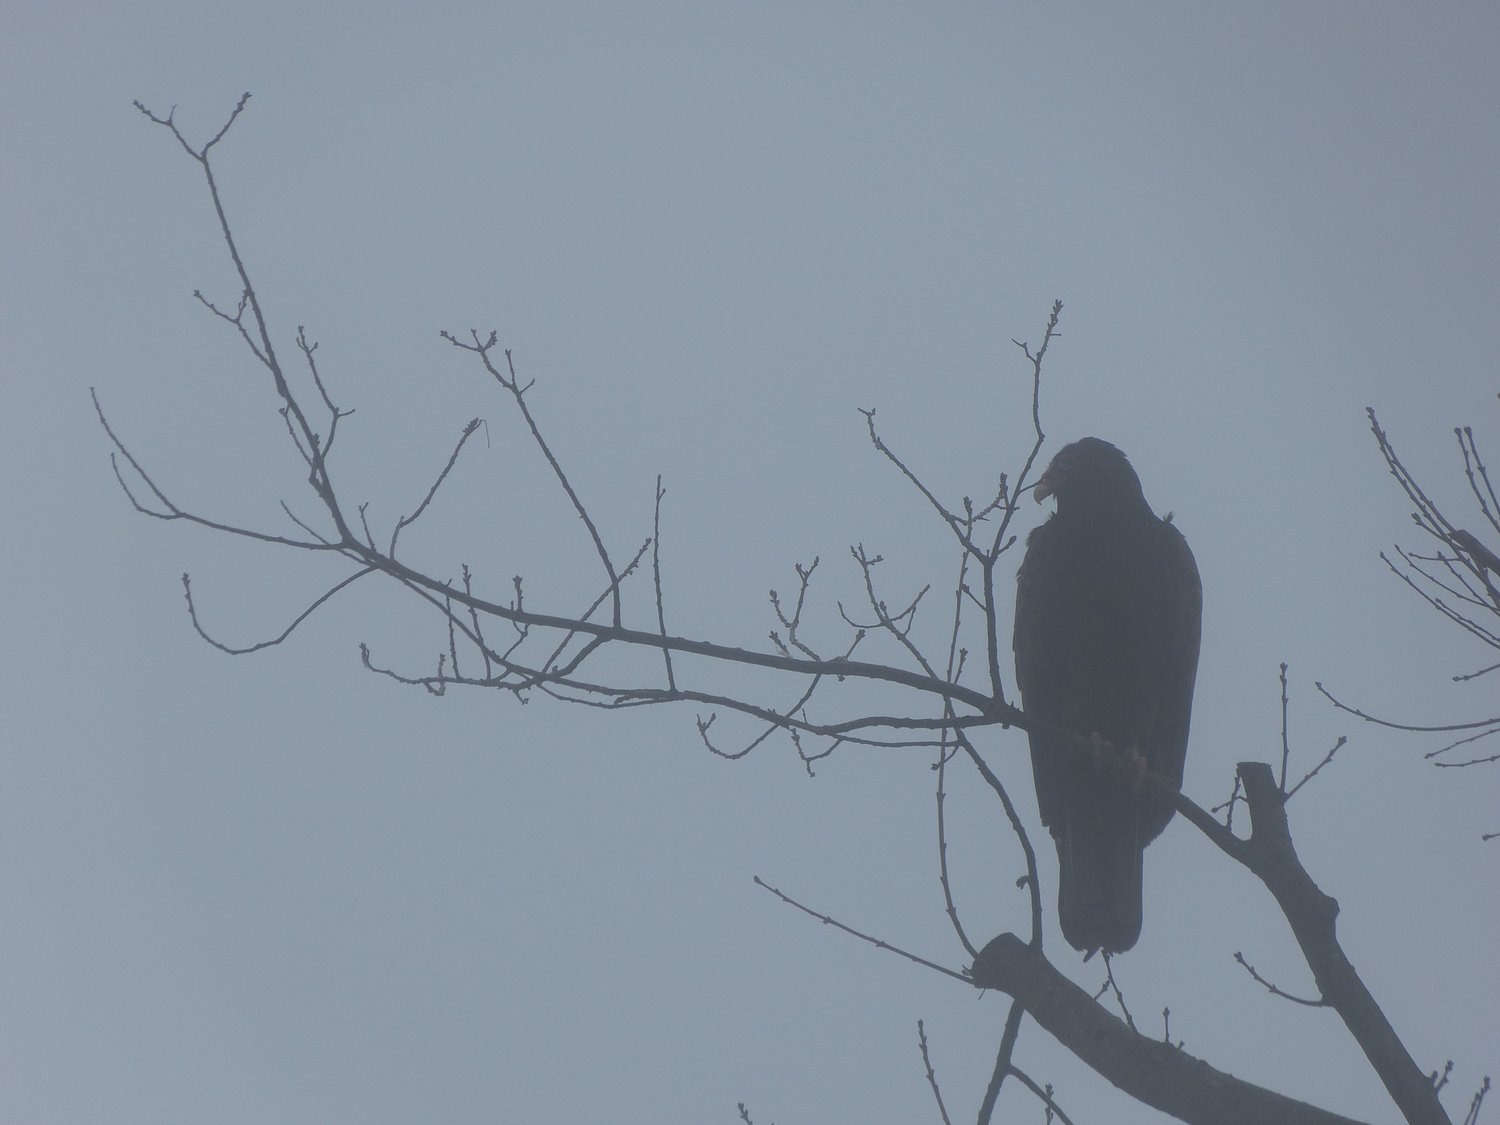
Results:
496 638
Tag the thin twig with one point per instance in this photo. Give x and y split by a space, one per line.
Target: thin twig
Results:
937 1094
406 521
1272 989
1044 1093
1355 711
661 612
187 592
1286 749
876 942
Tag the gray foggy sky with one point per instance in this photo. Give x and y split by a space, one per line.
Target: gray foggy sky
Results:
277 888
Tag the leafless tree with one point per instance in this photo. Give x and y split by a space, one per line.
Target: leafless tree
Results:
497 639
1458 580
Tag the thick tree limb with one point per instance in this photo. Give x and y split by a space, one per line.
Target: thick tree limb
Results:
1311 914
1150 1070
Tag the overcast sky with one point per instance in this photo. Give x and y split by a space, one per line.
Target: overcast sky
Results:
276 888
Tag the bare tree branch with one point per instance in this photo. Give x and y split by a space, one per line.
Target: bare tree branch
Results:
1456 580
937 1094
1311 915
850 930
1149 1070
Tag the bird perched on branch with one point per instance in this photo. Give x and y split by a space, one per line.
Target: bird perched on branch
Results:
1108 611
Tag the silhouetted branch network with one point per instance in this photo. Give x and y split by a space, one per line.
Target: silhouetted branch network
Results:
494 638
1457 580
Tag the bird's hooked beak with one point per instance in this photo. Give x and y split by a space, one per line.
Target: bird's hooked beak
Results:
1044 487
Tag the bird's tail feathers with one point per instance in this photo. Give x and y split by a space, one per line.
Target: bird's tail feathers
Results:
1099 884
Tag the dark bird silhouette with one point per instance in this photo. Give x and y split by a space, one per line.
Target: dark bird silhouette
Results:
1108 612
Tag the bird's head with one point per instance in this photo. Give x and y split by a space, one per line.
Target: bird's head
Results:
1089 472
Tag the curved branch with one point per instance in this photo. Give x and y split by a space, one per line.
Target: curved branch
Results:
187 592
1149 1070
1357 713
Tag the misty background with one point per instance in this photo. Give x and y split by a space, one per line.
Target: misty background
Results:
280 888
